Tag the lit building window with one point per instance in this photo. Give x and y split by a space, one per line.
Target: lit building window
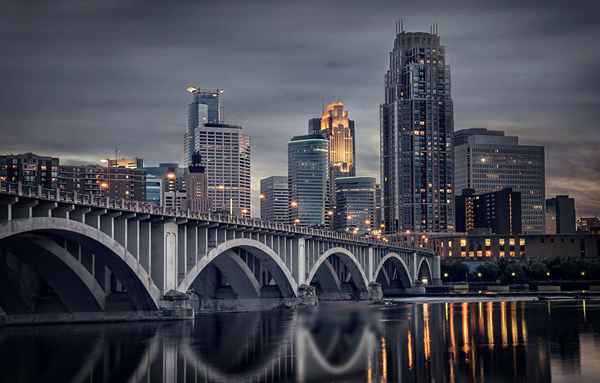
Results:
501 241
449 243
511 241
463 253
471 253
449 253
512 253
522 242
488 242
463 242
479 253
501 254
488 253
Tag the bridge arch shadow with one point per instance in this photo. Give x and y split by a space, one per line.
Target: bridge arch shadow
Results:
393 275
337 275
424 271
240 268
39 275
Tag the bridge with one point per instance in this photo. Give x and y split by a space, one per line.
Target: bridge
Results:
64 252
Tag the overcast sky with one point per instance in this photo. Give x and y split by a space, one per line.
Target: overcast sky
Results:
79 79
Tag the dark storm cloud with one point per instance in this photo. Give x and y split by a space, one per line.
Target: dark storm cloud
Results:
79 78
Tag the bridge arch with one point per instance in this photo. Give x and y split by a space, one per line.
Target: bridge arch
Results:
323 271
424 270
143 293
404 276
237 270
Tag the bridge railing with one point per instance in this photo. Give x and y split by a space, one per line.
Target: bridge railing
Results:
100 201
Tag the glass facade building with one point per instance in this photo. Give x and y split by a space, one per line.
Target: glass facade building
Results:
274 199
308 166
416 127
206 107
491 162
560 215
355 209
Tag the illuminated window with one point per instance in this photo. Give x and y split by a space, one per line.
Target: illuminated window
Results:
463 253
511 241
471 253
449 253
488 242
501 254
501 241
512 253
479 253
522 242
449 243
463 242
488 253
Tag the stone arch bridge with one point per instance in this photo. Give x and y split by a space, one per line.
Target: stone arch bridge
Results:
72 253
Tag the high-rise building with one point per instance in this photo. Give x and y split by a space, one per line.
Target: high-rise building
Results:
355 204
491 162
112 182
378 206
307 179
173 184
29 169
206 107
417 124
226 151
338 128
560 215
128 163
497 212
274 199
197 186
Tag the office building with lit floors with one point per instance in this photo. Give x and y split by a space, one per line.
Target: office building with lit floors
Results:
29 169
225 150
274 199
355 204
197 186
172 182
416 127
487 161
112 182
205 107
497 212
307 179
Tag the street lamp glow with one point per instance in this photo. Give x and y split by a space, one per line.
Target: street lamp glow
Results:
294 204
296 221
262 196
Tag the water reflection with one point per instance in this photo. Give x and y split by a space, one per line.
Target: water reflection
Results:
451 342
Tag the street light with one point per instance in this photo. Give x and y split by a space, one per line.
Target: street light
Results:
244 212
513 274
294 204
445 275
548 274
296 221
582 273
262 196
479 275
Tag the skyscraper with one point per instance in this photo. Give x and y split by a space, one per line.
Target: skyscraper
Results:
497 212
417 123
274 199
491 162
307 179
226 151
197 186
355 204
560 215
206 107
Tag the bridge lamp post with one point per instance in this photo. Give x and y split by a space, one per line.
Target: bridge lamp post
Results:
244 212
296 221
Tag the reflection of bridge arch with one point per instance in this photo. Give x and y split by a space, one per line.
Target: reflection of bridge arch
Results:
140 289
331 276
275 359
239 275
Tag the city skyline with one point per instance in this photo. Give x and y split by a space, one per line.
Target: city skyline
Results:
100 99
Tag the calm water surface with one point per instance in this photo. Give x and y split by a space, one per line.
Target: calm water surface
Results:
454 342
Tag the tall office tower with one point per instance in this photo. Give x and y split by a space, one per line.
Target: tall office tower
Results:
197 186
338 128
560 215
417 123
378 209
355 209
274 199
307 179
29 169
490 162
206 107
226 151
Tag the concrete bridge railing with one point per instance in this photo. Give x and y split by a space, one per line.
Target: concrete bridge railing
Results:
143 257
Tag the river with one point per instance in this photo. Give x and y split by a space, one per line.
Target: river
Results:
486 341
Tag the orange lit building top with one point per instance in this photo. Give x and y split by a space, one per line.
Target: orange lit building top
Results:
339 129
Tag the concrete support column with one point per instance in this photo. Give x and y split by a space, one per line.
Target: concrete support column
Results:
78 214
191 253
182 244
107 223
63 211
23 209
436 270
133 237
145 240
93 218
164 255
121 228
413 268
300 260
6 204
370 265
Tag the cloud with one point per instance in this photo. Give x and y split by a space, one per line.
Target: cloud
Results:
81 78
